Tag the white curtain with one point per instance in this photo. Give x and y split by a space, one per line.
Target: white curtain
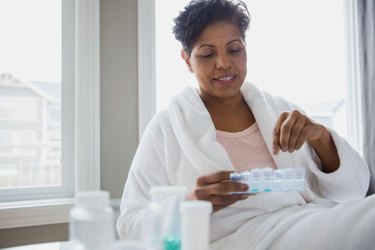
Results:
366 16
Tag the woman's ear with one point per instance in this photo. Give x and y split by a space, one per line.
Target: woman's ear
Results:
186 58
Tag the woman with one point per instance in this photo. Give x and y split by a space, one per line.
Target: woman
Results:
226 125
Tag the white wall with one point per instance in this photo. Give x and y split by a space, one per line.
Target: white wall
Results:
119 91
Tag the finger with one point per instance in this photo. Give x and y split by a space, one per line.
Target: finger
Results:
299 143
295 134
213 178
275 143
225 187
276 132
219 188
285 132
303 136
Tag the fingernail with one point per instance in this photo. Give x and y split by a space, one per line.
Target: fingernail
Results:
275 150
245 187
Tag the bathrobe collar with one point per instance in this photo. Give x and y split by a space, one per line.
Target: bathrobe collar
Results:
196 133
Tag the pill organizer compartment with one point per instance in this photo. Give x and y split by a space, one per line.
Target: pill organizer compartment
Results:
270 180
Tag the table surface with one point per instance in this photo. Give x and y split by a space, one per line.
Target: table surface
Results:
43 246
65 245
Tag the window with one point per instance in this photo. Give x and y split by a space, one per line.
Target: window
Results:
299 50
31 82
49 108
17 109
54 114
296 49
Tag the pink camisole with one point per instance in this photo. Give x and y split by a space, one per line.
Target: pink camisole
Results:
246 149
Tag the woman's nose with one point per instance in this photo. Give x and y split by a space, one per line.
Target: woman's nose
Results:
223 61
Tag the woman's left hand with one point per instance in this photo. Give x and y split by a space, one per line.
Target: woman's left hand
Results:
293 129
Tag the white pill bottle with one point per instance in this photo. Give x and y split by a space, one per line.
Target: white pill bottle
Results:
91 222
196 225
162 221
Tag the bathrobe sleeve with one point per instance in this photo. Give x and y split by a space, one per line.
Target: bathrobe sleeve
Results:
147 170
349 182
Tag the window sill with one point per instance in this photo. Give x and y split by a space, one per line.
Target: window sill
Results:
34 213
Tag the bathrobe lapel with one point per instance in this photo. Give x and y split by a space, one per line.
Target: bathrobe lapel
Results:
266 112
196 133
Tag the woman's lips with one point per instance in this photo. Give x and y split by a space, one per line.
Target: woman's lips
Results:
228 79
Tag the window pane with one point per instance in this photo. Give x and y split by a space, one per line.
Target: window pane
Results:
30 93
295 49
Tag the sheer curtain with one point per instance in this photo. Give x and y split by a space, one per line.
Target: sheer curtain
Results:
366 16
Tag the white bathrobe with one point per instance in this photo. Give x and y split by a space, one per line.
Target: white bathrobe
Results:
179 145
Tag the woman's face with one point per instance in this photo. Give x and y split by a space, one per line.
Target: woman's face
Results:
218 61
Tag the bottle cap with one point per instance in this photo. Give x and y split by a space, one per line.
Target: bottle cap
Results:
162 192
93 198
196 207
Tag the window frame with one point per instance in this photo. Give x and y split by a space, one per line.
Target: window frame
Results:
147 82
353 79
80 123
146 64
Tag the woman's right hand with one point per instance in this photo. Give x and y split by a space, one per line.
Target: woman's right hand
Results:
216 188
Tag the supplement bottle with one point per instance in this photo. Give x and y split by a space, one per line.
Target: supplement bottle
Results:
196 225
91 223
162 222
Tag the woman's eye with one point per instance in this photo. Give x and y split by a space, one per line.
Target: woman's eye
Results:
234 50
207 55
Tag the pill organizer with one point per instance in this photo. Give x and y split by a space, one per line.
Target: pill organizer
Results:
270 180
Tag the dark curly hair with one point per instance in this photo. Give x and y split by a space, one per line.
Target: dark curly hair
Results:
198 14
